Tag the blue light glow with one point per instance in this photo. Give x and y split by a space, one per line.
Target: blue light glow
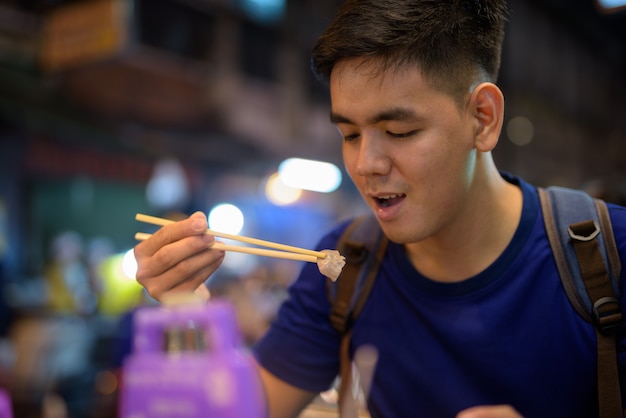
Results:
264 10
610 4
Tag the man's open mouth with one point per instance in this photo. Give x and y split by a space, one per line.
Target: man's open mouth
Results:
390 200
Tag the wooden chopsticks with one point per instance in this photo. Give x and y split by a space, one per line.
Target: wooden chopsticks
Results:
280 250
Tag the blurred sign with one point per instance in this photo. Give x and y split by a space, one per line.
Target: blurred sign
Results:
84 32
50 159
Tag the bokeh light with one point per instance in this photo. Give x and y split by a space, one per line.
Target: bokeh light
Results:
279 193
612 4
226 217
168 187
317 176
129 264
264 10
520 130
120 291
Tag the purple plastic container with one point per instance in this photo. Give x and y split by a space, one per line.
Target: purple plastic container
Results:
6 410
188 362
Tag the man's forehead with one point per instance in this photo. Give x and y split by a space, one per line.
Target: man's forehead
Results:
375 67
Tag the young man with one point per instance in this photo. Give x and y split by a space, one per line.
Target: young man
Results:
468 315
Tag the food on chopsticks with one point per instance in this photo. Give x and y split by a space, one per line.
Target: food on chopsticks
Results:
331 265
329 262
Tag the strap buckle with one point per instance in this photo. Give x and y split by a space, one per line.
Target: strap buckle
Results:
582 231
611 319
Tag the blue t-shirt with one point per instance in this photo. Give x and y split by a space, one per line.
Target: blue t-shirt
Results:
508 335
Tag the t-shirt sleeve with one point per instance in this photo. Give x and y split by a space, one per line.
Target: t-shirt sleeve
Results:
301 347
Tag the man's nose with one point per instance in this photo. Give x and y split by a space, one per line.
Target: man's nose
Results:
372 157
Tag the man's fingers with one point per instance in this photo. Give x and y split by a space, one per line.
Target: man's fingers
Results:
202 292
171 244
196 224
177 254
177 257
185 276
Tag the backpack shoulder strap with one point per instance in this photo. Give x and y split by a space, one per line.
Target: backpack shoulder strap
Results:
573 217
581 237
363 244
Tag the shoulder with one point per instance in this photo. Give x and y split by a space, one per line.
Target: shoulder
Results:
618 222
618 214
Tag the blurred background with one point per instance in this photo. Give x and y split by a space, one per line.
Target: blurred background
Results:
113 107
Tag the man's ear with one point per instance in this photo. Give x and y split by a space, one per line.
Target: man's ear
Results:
487 107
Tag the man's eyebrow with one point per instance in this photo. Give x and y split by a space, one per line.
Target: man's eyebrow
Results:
336 118
394 114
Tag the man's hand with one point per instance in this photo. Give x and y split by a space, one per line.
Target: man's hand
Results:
177 258
497 411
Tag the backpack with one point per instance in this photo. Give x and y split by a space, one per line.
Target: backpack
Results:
581 237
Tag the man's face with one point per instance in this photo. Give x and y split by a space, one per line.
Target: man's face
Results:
408 147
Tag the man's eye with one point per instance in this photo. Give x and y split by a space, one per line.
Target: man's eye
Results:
350 137
401 134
